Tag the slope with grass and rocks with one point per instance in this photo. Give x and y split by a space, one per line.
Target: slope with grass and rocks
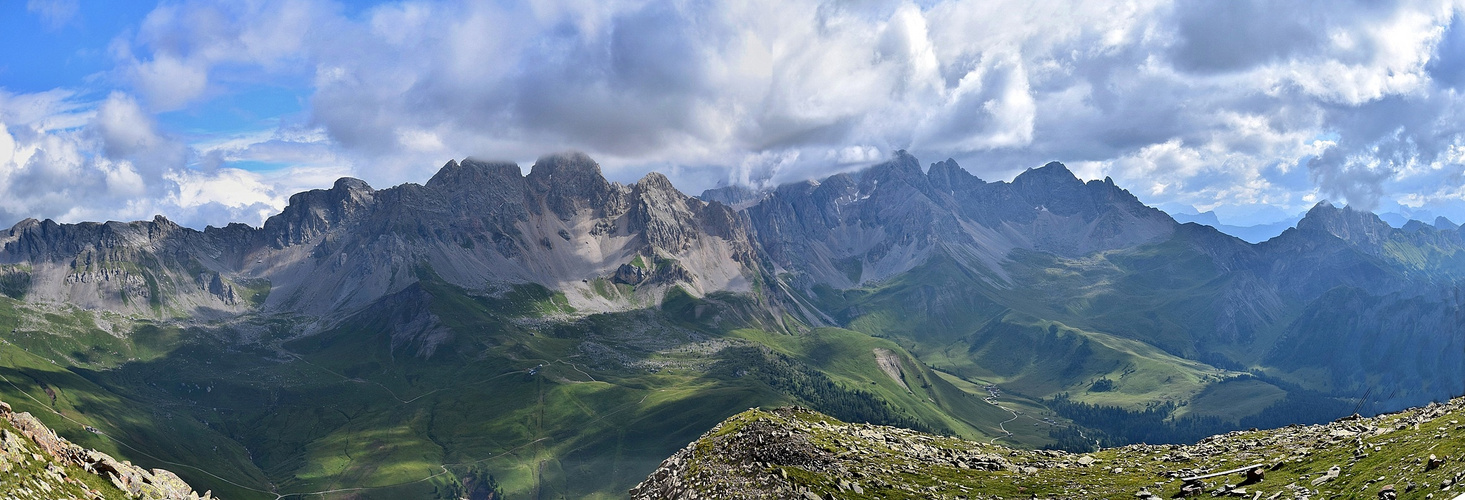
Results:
797 453
35 463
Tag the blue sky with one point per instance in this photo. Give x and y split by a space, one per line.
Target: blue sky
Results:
216 111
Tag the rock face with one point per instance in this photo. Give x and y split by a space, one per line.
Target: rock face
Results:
336 250
480 225
852 228
797 453
49 466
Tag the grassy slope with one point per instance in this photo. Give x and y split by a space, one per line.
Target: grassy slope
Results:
1130 316
849 358
41 359
551 406
1029 426
584 408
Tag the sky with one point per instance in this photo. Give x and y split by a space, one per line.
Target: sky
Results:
210 112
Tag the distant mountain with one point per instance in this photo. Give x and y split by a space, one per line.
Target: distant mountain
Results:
737 197
852 228
557 334
338 250
1256 233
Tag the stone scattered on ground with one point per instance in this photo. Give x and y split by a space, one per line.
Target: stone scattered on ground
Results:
798 453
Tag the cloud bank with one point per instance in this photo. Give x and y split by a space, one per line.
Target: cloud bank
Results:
1214 104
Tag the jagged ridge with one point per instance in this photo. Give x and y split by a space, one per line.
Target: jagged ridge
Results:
476 224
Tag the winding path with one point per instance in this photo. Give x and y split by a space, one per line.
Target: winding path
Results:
993 393
992 400
1003 425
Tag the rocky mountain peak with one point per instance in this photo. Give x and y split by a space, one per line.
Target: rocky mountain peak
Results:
1445 224
161 226
22 225
1354 226
654 181
161 221
474 174
1052 186
565 169
1055 189
901 168
670 220
1051 172
352 185
313 212
947 176
569 181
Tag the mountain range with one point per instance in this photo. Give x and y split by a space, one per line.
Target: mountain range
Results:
558 335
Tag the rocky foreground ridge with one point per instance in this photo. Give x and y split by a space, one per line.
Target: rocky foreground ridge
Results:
35 463
798 453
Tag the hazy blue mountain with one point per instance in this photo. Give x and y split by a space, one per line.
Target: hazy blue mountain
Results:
1255 233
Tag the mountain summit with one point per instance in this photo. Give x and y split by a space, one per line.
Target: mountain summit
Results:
892 216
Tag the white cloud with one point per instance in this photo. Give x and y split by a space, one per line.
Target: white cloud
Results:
1210 103
174 57
169 82
55 13
125 129
111 162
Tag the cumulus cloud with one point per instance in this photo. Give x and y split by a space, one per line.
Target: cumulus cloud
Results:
66 158
1211 104
183 51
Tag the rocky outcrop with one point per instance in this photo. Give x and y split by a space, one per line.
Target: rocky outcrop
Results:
768 454
797 453
313 213
1361 229
48 466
